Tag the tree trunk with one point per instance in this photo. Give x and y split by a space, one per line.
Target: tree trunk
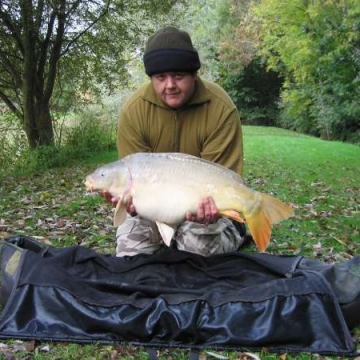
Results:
29 120
37 119
44 125
38 125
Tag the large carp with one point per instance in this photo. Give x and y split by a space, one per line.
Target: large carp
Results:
165 186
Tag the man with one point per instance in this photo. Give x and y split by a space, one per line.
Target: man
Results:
179 112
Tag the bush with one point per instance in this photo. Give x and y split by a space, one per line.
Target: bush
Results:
12 140
255 91
42 158
92 134
89 136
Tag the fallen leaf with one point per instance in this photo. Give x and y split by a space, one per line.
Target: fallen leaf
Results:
216 355
252 356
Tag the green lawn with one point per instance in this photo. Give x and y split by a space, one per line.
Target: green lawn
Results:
320 179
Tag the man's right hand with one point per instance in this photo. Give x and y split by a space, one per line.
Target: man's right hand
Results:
130 208
113 199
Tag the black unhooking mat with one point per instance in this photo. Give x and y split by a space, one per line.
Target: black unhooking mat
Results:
173 299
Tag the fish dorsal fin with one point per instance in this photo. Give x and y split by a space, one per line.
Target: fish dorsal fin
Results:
120 213
166 232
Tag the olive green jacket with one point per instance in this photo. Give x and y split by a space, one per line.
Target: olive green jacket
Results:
208 126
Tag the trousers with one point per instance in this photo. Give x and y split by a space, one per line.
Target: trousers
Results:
141 236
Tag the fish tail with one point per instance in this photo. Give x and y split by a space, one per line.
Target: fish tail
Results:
270 211
260 230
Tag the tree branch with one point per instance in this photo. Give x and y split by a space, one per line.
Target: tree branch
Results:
44 48
10 68
38 17
16 32
11 105
56 50
76 38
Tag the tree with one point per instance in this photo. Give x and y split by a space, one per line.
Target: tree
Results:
316 45
240 70
47 46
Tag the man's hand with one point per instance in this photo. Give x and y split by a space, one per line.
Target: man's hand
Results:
113 199
207 212
130 208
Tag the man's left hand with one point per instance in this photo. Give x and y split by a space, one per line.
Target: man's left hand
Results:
207 212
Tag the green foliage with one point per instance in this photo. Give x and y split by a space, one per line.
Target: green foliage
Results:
100 60
233 45
255 92
12 140
41 158
90 135
54 55
205 34
316 46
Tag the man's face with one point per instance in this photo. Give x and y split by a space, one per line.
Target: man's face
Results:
174 88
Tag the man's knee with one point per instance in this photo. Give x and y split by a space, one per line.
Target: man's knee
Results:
137 236
218 238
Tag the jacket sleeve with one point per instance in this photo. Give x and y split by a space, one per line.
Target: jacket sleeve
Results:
224 145
130 138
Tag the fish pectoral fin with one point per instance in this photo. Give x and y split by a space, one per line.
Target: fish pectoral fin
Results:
166 232
120 213
232 214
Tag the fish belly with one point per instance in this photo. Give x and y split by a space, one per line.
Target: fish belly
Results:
165 203
166 186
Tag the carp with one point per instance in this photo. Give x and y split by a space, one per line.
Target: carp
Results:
165 186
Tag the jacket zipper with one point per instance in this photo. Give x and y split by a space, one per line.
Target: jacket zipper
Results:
176 133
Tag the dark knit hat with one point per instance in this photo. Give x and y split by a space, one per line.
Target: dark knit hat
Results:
170 49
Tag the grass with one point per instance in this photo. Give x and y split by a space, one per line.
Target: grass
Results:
320 179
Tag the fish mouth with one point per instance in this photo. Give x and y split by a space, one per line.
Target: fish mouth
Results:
89 185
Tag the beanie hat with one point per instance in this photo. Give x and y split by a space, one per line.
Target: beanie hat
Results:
170 49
